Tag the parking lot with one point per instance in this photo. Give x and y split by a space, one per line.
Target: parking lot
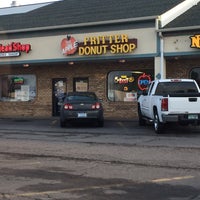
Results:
123 161
111 126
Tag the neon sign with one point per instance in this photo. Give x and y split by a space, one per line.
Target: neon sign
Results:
143 81
123 79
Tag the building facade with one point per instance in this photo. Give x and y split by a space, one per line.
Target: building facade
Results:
116 59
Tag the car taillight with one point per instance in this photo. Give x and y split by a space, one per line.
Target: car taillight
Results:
96 106
68 106
164 104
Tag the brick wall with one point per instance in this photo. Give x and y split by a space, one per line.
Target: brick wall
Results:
180 68
97 74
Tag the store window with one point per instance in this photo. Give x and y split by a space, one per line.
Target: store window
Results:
195 74
126 85
17 87
81 84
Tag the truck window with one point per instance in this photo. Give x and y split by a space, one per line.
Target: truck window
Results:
150 88
165 88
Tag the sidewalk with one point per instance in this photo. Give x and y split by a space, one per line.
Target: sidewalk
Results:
28 124
52 125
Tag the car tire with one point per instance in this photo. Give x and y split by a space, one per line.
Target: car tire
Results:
100 123
142 121
62 124
158 126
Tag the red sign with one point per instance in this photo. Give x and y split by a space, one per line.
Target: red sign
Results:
69 45
15 47
143 81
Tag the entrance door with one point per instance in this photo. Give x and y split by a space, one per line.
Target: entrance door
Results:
59 89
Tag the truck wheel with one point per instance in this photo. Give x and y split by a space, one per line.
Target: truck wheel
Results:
158 126
142 121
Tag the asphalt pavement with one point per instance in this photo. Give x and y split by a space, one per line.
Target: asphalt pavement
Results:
52 125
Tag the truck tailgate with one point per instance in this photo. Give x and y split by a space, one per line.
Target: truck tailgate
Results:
184 104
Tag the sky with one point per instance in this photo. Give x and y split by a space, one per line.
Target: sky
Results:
7 3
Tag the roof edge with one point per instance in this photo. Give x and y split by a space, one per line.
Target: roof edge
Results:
188 28
138 19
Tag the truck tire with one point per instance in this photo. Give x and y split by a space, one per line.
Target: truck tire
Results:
158 126
142 121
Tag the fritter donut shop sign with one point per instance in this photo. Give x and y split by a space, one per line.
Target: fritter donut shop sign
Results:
14 49
98 45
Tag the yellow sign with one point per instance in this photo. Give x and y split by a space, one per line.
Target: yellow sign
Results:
98 45
195 41
123 79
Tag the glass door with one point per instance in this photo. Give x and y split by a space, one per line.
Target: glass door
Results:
59 89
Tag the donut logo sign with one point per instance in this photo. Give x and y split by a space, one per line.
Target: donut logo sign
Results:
143 81
69 45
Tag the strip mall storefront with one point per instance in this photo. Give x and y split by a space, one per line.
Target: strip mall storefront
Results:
36 72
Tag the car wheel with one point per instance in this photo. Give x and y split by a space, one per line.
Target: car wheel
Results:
100 123
142 121
158 126
62 123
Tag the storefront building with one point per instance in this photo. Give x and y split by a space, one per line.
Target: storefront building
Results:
115 58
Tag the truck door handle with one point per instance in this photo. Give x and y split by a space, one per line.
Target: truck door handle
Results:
192 99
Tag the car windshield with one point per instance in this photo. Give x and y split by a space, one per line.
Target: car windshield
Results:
82 97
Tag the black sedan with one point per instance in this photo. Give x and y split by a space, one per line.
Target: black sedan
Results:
81 106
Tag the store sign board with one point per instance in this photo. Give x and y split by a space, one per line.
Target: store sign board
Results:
10 54
98 45
195 41
69 45
14 49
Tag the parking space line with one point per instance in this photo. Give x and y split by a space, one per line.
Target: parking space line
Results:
32 194
121 124
19 164
171 179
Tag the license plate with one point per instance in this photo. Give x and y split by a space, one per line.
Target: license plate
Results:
192 116
82 115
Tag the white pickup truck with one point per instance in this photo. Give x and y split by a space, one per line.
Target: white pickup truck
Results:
170 100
